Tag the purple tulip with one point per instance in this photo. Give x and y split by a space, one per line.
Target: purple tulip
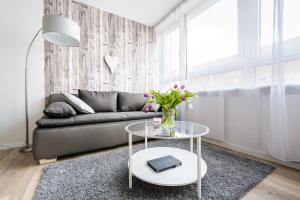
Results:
183 98
182 87
146 95
150 107
175 86
146 110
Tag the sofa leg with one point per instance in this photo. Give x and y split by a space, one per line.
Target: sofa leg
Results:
47 161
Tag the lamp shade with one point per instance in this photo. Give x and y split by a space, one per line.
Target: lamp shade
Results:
61 31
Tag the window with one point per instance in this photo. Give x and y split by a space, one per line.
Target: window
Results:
263 75
291 41
266 24
230 43
291 16
227 79
172 55
212 82
292 72
212 34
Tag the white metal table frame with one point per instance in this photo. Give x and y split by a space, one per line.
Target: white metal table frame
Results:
191 149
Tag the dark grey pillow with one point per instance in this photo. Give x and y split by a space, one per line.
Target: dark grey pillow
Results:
58 98
100 101
130 101
59 110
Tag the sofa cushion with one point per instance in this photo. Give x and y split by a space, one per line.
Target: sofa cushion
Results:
130 101
54 122
59 110
82 119
100 101
79 105
141 115
99 118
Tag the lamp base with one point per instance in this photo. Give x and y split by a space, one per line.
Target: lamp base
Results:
26 149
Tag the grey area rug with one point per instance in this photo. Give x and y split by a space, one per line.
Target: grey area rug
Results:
104 175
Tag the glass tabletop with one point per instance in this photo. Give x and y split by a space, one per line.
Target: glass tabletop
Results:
182 130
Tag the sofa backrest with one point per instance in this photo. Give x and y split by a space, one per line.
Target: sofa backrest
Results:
125 101
130 101
100 101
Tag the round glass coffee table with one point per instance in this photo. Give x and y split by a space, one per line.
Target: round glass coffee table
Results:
193 167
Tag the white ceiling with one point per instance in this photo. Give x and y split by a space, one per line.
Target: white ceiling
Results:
148 12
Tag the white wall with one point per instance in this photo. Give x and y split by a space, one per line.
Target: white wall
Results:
19 21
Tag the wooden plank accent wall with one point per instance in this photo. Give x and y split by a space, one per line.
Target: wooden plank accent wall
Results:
102 33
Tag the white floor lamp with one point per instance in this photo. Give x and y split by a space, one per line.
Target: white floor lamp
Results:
58 30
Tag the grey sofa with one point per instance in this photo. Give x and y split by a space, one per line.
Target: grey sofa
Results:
55 137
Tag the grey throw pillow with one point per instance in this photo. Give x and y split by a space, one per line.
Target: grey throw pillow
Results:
58 98
130 101
59 110
100 101
79 105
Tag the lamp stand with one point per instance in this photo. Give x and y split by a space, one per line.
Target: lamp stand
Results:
28 147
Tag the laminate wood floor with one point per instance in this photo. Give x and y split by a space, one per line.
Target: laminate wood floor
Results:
19 176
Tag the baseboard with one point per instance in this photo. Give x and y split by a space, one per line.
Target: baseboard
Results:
11 146
246 151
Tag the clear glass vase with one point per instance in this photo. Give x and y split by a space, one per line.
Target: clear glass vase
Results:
168 120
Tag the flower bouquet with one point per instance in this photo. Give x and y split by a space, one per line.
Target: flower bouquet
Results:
169 101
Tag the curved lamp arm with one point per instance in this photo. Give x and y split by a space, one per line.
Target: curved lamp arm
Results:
27 147
69 36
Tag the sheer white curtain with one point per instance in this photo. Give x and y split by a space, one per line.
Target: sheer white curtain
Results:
279 145
250 90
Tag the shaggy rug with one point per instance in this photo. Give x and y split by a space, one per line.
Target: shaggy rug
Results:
104 175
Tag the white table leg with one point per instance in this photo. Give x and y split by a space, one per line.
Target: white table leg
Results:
191 145
130 160
199 167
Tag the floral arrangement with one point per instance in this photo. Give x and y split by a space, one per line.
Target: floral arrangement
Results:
169 101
